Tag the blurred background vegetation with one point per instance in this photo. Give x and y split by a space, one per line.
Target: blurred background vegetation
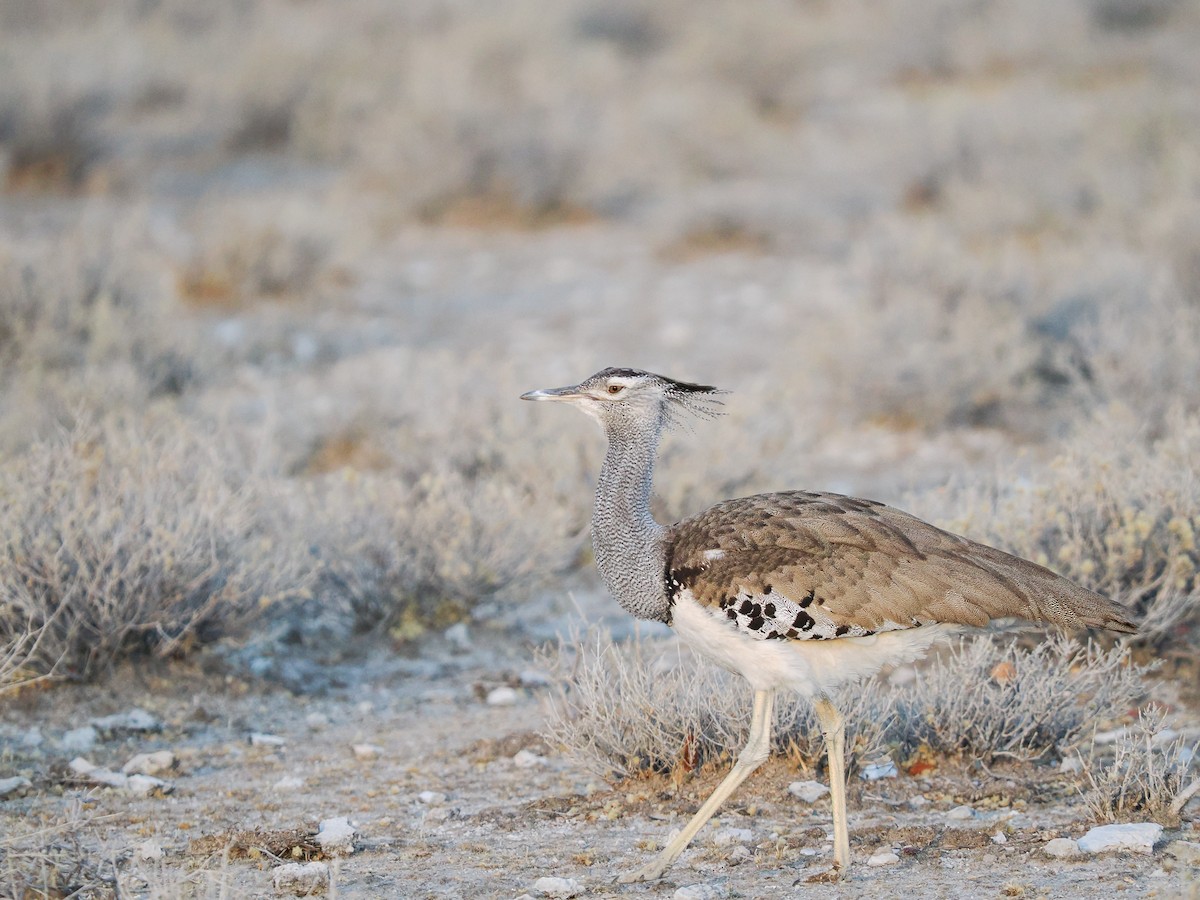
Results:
273 272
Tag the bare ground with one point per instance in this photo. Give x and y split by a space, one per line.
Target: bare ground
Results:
501 826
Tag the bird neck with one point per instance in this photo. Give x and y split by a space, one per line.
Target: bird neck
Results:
628 542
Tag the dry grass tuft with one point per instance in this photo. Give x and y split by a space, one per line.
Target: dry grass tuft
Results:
1150 770
649 706
41 859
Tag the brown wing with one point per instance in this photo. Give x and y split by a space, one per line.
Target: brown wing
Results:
815 565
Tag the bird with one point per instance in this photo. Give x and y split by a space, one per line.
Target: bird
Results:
800 590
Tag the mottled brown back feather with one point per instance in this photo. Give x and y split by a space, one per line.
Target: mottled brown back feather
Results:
815 565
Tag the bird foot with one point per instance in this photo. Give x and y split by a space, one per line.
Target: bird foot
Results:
830 876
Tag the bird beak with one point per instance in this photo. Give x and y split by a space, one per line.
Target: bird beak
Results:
562 393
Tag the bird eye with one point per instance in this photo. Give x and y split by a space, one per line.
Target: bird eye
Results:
616 388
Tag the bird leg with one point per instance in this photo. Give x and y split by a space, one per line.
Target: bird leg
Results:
757 748
833 727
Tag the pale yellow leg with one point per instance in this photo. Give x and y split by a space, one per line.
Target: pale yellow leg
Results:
833 728
757 748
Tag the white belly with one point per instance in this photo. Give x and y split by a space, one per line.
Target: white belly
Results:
809 667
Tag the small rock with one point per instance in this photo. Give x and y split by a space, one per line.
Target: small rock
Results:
723 837
32 738
1070 764
558 887
526 759
302 878
534 678
701 891
151 851
94 774
79 740
145 785
289 783
431 798
366 752
808 791
459 636
740 853
884 857
883 768
1186 852
13 785
132 720
316 721
960 813
1137 838
336 836
262 739
1061 848
918 801
999 838
150 763
502 696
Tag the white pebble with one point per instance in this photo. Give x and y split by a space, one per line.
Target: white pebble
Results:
502 696
999 838
1138 838
316 721
1070 764
1061 848
459 636
366 752
883 857
740 853
808 791
336 836
79 740
558 887
150 763
150 851
726 836
12 785
525 759
701 891
431 798
302 878
289 783
960 813
133 720
883 768
145 785
262 739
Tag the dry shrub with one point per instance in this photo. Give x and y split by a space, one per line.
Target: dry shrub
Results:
238 259
651 706
1114 512
988 699
1150 768
121 540
407 556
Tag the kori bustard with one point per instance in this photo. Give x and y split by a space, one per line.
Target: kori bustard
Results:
800 590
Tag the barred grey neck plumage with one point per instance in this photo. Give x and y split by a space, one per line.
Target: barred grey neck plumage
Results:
629 544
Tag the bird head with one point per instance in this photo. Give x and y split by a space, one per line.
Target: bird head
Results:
635 398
